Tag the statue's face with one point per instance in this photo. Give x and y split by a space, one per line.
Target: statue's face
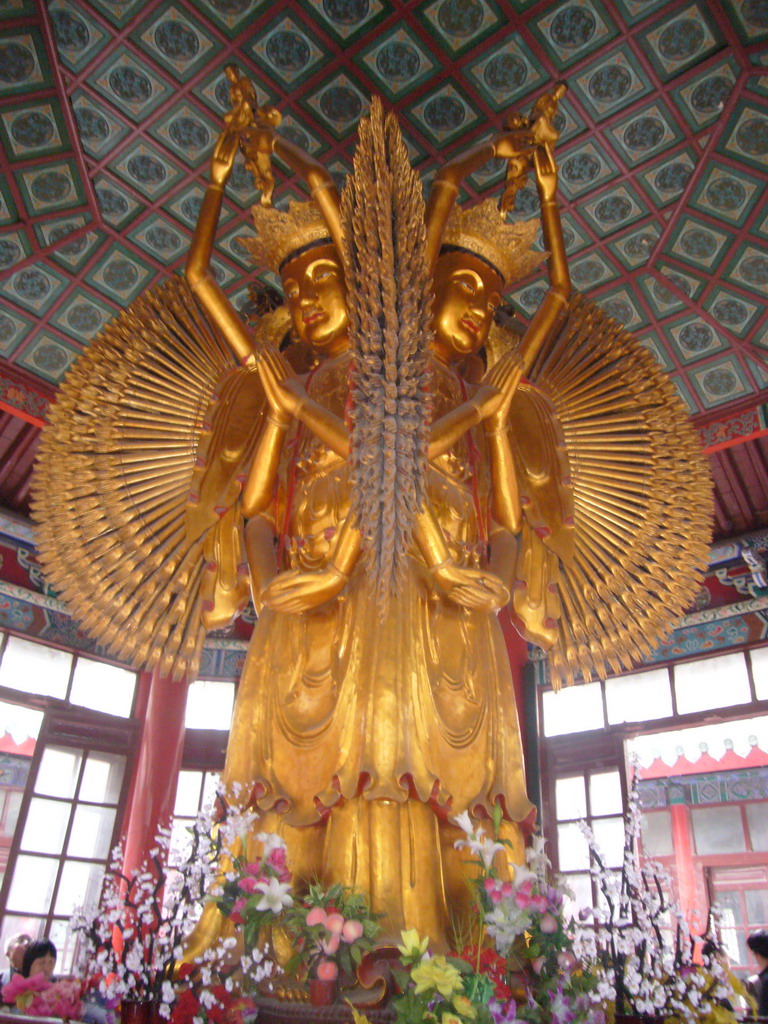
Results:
467 292
317 299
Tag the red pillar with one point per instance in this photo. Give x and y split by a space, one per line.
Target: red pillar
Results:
153 787
686 875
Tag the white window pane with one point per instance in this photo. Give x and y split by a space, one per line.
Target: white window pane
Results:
711 683
46 825
209 705
656 832
58 771
22 724
757 818
717 830
581 887
35 668
572 709
571 798
605 793
609 835
759 659
638 698
91 831
188 794
103 687
572 848
210 786
181 839
102 778
65 941
12 808
80 885
32 885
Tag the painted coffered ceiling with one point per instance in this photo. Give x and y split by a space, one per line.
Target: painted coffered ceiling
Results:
109 110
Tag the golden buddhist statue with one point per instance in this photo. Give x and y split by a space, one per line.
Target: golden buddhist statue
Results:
387 502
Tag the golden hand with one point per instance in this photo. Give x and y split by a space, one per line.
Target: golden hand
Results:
546 173
504 376
223 159
285 393
471 588
513 144
295 591
495 393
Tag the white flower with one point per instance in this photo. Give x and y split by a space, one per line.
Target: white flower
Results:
464 822
488 850
271 841
276 895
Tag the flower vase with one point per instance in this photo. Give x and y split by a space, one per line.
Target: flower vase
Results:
140 1011
322 991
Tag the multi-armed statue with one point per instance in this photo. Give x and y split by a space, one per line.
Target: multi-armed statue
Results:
387 501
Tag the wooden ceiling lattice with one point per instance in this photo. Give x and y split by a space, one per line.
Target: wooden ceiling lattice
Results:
109 110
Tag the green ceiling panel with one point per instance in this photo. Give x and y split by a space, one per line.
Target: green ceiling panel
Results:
397 62
677 42
176 40
723 381
120 275
79 37
571 31
460 25
48 356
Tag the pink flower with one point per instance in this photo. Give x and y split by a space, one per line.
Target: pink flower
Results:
277 859
327 970
330 945
538 963
334 923
316 916
236 915
566 960
352 931
248 884
548 924
21 990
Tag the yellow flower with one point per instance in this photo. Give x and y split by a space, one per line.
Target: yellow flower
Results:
436 973
464 1006
411 944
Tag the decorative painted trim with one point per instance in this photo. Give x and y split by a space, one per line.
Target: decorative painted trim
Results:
726 611
737 429
16 593
22 400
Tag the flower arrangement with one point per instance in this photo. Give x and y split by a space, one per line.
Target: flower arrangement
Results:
639 945
332 929
38 997
126 941
257 891
439 989
524 917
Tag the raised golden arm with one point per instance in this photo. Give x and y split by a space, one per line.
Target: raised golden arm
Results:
198 267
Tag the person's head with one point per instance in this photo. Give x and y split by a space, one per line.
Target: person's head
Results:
710 952
14 949
758 943
467 294
295 244
39 958
481 254
313 284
